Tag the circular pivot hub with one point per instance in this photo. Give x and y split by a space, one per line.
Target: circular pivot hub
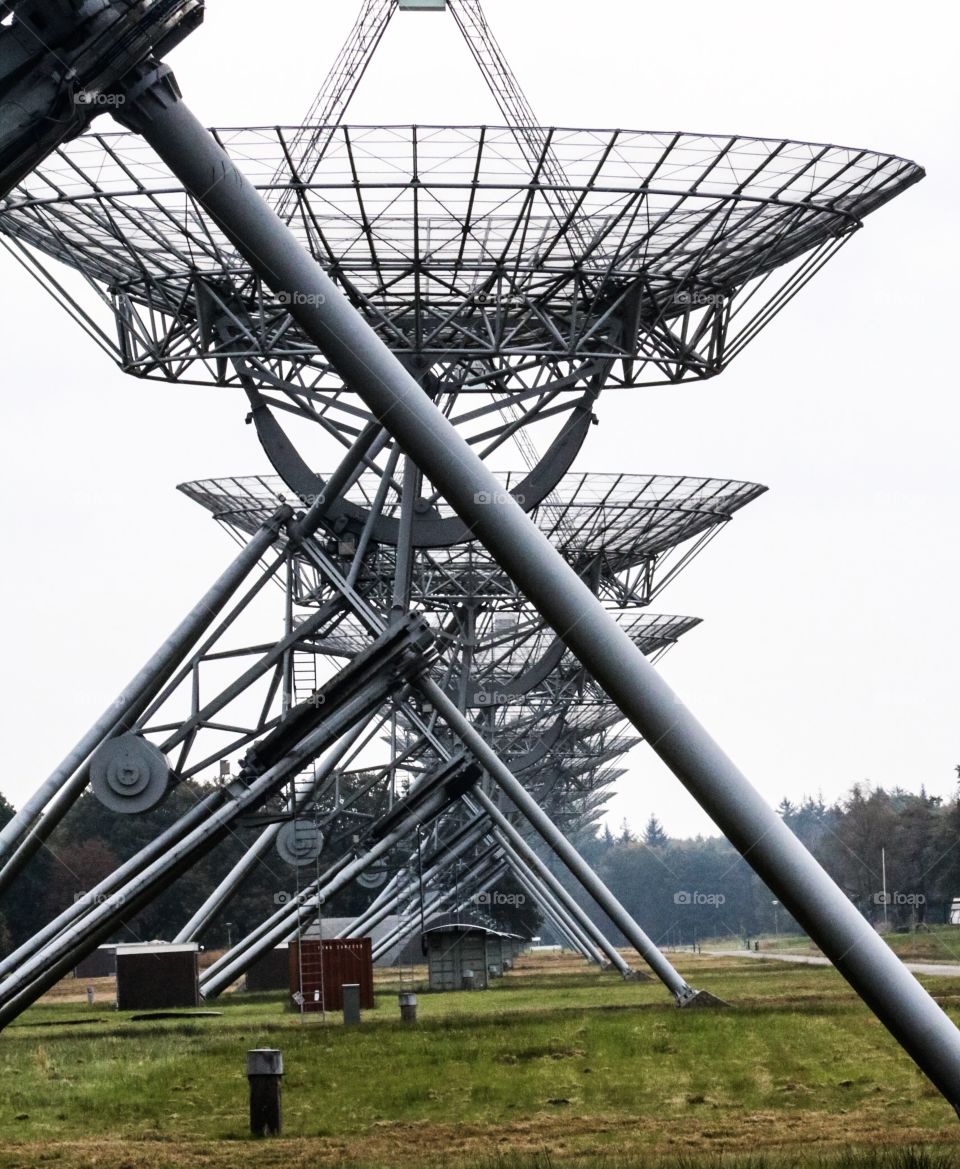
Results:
373 877
299 842
129 775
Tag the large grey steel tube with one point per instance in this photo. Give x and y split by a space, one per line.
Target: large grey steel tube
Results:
563 925
368 366
475 875
543 896
277 927
114 882
383 906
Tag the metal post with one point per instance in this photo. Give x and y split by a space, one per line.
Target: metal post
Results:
155 110
886 913
351 1004
265 1075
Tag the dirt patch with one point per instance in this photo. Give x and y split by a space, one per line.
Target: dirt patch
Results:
705 1131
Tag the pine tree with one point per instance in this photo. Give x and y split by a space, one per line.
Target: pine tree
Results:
654 835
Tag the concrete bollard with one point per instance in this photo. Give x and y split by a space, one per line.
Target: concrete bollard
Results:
351 1004
408 1006
91 996
265 1073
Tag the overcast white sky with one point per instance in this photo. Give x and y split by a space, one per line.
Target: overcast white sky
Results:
830 646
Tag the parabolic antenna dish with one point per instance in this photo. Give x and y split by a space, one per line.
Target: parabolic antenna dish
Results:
452 242
605 525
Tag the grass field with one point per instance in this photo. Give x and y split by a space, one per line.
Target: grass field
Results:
559 1066
935 943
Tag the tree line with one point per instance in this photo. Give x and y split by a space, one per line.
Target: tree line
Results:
680 890
894 853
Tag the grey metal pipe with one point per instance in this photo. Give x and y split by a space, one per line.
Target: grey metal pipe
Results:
286 913
381 908
123 713
528 806
365 363
563 925
277 927
436 904
402 933
530 858
287 918
114 883
543 896
609 955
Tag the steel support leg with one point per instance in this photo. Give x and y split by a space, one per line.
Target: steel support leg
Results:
565 928
486 872
34 976
384 905
551 905
530 858
394 397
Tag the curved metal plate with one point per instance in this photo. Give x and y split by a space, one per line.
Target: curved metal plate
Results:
430 530
299 842
373 878
129 775
485 697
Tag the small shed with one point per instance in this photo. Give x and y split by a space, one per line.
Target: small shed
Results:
158 976
462 955
271 971
320 969
100 964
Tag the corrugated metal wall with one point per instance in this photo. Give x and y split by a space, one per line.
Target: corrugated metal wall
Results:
157 981
326 966
451 954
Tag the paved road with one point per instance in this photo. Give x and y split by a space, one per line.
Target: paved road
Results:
942 969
